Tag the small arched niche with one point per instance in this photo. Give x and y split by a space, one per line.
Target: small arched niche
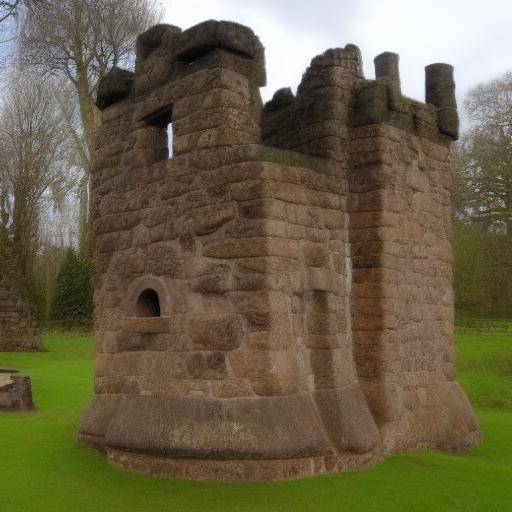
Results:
148 304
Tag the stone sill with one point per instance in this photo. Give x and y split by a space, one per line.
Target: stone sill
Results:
152 325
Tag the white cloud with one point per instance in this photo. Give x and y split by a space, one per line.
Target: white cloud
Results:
472 35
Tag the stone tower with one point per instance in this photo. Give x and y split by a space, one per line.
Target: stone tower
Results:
18 326
275 300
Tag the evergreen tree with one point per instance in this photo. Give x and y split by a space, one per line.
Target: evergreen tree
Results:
72 302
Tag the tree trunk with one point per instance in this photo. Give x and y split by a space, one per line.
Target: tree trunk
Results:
91 120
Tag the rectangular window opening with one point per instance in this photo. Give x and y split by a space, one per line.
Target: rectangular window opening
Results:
162 120
170 141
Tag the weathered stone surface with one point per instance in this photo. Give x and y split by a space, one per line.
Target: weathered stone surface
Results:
163 260
114 87
214 34
274 300
282 98
440 92
18 325
15 392
221 332
155 37
269 430
211 366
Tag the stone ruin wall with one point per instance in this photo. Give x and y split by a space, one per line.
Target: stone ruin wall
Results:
18 326
301 255
15 392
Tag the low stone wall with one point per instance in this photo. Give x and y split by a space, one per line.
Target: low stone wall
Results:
18 326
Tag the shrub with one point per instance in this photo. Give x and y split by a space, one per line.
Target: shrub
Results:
72 301
482 268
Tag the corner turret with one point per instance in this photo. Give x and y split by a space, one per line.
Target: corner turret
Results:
440 92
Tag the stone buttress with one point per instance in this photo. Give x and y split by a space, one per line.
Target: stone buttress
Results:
273 284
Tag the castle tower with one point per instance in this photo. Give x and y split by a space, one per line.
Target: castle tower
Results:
273 293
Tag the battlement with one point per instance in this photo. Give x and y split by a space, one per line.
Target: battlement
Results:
165 53
378 101
166 56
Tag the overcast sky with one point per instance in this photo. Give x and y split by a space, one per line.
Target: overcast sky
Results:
474 36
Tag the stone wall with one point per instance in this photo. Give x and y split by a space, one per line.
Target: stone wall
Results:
402 291
18 326
15 392
274 301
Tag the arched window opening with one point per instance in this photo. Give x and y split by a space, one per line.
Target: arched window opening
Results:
148 303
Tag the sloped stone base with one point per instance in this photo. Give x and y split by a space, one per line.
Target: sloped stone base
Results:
237 471
265 439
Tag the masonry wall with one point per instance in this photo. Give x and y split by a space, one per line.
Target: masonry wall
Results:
316 120
18 326
249 260
402 291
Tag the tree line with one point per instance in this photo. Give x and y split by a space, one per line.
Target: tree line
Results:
482 198
55 53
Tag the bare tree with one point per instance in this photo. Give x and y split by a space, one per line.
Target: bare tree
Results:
79 41
10 12
33 159
484 171
9 9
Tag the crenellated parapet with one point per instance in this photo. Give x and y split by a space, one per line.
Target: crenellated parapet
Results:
381 101
165 54
315 121
204 80
286 118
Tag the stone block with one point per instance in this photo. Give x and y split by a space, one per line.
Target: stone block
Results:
207 366
220 332
15 392
252 248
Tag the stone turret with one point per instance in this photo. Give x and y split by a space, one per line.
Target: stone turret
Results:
440 92
274 300
386 68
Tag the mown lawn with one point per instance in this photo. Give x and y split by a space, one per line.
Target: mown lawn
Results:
43 469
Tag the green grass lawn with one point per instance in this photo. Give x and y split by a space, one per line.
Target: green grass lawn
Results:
43 469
